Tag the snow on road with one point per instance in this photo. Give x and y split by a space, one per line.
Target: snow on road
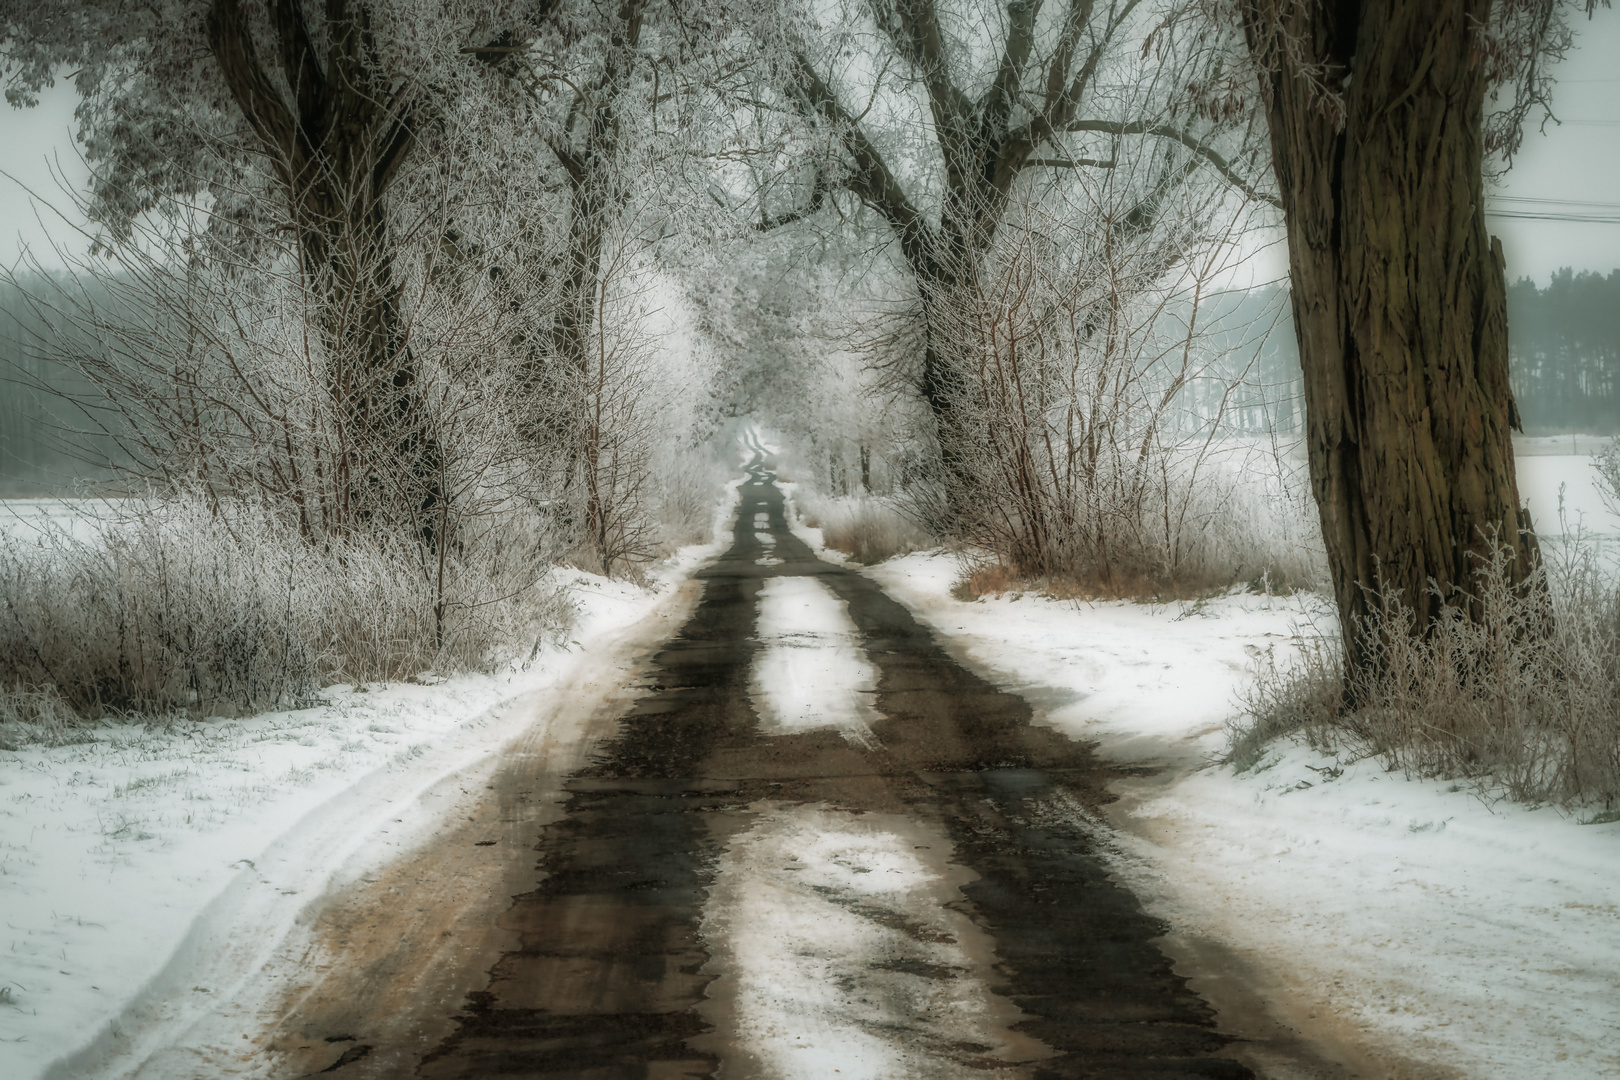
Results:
810 670
842 951
125 856
1403 913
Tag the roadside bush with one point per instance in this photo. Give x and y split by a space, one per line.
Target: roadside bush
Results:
864 527
690 484
182 607
1526 695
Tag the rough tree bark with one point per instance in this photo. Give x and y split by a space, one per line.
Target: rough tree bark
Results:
335 152
1398 292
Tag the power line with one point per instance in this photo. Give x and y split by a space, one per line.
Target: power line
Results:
1530 208
1531 215
1555 202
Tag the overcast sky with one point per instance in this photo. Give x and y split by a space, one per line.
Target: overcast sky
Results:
1572 170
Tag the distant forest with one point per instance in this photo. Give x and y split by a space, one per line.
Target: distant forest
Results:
1565 349
46 442
1564 357
1564 339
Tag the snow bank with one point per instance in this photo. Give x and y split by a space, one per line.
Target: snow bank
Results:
1408 915
124 857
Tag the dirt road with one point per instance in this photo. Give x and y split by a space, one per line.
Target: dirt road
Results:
884 870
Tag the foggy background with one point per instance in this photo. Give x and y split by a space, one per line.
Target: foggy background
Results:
1557 212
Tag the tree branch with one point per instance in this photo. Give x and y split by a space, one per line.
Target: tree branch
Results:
1191 142
231 42
395 146
913 27
302 65
1003 91
818 199
871 182
1071 163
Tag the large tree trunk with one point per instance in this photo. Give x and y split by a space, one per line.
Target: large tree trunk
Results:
1398 294
395 467
336 146
598 194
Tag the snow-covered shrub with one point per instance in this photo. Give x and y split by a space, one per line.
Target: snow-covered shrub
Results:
1607 466
1525 695
689 483
1097 381
179 606
867 528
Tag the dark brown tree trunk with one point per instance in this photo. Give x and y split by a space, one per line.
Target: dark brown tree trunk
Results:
597 194
398 462
1398 293
336 145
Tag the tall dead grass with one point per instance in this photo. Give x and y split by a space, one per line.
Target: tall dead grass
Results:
868 529
1526 695
182 607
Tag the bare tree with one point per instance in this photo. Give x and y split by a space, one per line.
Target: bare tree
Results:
326 105
1095 419
1010 93
335 151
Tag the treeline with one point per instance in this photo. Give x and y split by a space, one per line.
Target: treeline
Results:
50 433
1565 342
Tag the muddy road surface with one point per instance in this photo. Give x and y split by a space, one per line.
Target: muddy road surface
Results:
814 847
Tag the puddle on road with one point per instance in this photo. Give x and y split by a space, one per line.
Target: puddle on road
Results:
840 949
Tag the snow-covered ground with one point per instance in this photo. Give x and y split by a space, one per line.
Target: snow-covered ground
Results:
1375 910
1386 918
120 856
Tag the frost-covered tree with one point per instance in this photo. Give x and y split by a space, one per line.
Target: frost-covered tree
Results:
934 114
269 116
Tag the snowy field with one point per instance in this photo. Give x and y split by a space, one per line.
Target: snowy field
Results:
1389 920
124 856
79 518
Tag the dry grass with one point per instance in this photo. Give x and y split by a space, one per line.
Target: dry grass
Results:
177 607
866 528
1525 697
1229 526
991 579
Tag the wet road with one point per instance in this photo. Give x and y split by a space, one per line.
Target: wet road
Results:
700 894
814 847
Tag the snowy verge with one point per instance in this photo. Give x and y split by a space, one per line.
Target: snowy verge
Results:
124 857
1385 914
810 534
